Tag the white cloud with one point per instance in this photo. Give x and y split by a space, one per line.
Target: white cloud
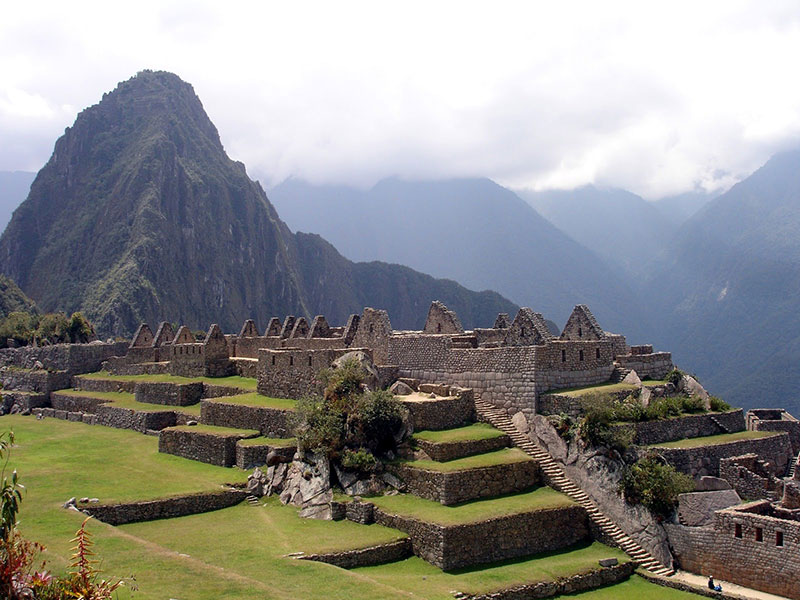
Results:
655 98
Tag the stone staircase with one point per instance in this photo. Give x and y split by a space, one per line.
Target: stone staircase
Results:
619 373
792 467
720 424
556 478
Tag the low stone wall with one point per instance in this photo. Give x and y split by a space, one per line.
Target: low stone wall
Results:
460 486
444 451
102 385
15 401
34 380
171 394
72 358
126 418
215 449
365 557
271 422
790 427
249 457
441 413
512 536
750 477
246 367
647 366
70 402
567 585
214 390
120 365
556 404
704 460
687 426
64 415
163 508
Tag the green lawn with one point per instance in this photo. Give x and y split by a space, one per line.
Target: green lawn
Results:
110 396
714 440
213 429
237 553
265 441
432 582
245 383
503 456
589 389
474 432
541 498
255 399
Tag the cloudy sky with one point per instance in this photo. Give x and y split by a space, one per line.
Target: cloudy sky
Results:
655 97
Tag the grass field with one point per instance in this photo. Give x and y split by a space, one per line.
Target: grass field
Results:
474 432
265 441
504 456
110 396
255 399
577 392
238 553
213 430
714 440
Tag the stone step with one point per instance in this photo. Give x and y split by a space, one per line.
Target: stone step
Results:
557 479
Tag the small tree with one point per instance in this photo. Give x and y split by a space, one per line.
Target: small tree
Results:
655 484
80 329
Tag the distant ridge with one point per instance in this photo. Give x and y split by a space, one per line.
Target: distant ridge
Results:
139 215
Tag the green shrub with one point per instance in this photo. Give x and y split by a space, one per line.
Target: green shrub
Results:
18 326
318 426
692 404
54 328
654 484
600 412
674 377
359 460
630 410
564 425
343 383
718 404
80 329
378 419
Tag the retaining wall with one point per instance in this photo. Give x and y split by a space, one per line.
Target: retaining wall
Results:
37 380
171 394
249 457
444 451
215 449
72 358
365 557
270 422
441 413
126 418
163 508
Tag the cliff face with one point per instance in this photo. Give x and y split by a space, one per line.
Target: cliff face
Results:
140 215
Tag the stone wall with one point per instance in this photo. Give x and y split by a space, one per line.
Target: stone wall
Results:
119 365
21 402
72 403
34 380
441 413
365 557
444 451
102 385
731 549
687 426
704 460
249 456
245 367
163 508
270 422
72 358
453 487
647 366
126 418
212 448
775 420
573 584
292 373
501 538
171 394
750 477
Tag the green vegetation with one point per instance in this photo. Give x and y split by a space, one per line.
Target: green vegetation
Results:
53 328
265 441
606 388
713 440
474 432
110 396
541 498
256 399
214 430
503 456
13 299
654 484
347 421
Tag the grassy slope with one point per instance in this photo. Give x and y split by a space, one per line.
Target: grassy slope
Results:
487 459
245 383
255 399
236 553
474 432
265 441
713 440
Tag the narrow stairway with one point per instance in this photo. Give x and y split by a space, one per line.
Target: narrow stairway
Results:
556 478
720 424
793 467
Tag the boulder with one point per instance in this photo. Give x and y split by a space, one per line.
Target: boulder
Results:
400 389
707 483
520 422
608 562
372 379
644 397
692 387
632 378
696 509
257 483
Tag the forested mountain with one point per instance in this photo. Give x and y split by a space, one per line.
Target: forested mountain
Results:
140 215
14 186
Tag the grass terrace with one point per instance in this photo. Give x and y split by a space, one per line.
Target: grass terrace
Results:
213 430
237 553
547 566
265 441
541 498
110 396
714 440
606 388
505 456
244 383
470 433
256 399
